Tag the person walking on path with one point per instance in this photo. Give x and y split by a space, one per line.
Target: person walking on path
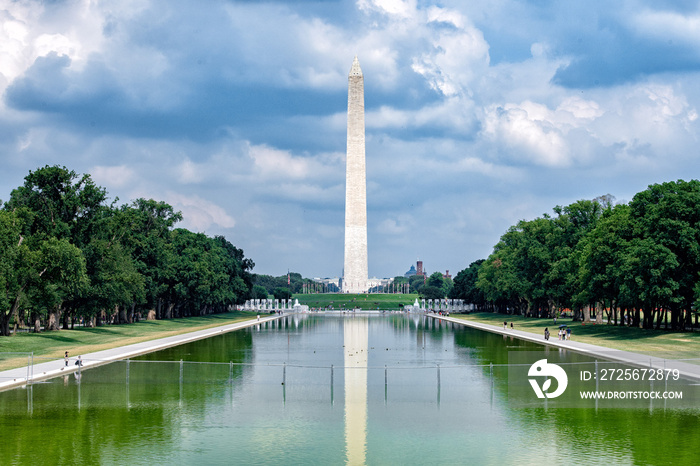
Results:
65 360
546 333
568 333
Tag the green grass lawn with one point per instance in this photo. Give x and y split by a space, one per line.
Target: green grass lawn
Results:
340 301
52 345
671 345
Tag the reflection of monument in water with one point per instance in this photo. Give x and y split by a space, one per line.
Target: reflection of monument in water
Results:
355 270
356 342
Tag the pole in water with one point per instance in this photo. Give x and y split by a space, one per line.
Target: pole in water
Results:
30 399
596 374
181 369
385 383
284 374
438 384
491 377
128 404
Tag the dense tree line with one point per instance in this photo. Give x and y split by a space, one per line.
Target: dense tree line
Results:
67 255
433 286
635 263
285 286
267 285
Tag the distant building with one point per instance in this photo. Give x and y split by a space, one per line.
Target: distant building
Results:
411 272
332 284
447 274
419 266
379 285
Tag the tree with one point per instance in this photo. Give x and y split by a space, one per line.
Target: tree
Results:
259 292
435 280
63 274
465 286
65 251
116 285
431 292
668 214
63 205
282 293
14 268
572 224
416 282
145 226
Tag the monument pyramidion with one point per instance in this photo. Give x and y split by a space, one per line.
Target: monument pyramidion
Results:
355 265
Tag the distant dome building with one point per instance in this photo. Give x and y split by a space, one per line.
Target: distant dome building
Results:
411 272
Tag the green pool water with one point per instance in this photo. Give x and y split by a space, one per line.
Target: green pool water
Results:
382 389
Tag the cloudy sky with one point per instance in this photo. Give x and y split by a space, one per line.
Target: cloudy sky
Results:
478 114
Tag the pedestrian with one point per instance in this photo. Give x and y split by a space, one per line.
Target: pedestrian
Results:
568 333
559 334
79 361
546 333
505 324
258 317
65 360
511 325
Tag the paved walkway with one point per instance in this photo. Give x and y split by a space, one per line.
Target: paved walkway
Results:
687 370
17 377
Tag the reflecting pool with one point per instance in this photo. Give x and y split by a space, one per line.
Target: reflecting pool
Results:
307 389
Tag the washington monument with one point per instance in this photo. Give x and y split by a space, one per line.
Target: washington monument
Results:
355 270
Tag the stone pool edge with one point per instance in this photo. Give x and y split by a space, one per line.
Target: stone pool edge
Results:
689 371
18 377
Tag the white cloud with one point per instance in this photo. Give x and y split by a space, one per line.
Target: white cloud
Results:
465 126
399 8
199 213
31 29
527 127
397 225
189 172
453 113
653 114
278 163
580 108
112 176
458 57
476 165
274 165
443 15
666 25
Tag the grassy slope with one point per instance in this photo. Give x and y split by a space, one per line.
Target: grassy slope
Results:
362 301
51 345
656 342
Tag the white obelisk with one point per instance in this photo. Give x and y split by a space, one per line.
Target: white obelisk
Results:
355 271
